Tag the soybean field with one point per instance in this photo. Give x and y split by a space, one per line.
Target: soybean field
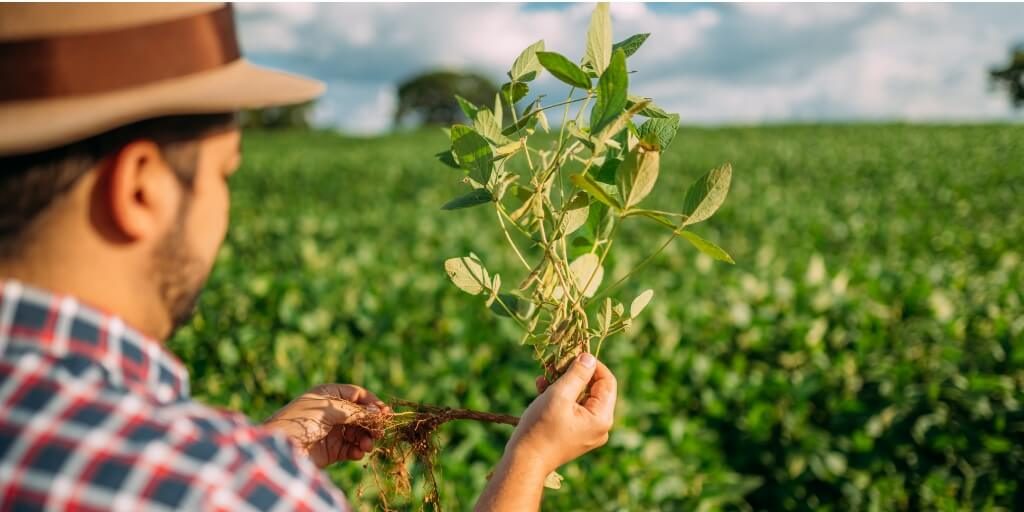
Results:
865 352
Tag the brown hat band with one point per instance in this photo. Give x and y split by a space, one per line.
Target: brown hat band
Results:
107 61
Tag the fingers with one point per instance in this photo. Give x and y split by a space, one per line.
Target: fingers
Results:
360 445
355 453
343 391
355 394
341 412
576 378
603 393
371 401
351 443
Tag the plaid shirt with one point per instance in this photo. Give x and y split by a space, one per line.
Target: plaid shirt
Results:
96 416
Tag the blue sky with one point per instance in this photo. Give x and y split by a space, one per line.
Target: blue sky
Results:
712 63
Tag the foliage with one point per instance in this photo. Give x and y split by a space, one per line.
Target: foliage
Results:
866 352
430 98
1011 77
549 201
294 117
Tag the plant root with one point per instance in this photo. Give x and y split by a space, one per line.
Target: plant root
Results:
406 436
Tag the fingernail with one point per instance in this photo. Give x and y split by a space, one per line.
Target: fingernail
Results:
372 409
587 360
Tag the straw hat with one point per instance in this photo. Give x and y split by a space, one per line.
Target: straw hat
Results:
71 71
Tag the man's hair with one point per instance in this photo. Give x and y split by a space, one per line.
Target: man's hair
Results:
30 183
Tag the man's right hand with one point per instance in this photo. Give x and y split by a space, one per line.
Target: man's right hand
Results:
555 428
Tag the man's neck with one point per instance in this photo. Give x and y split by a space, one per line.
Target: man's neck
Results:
100 287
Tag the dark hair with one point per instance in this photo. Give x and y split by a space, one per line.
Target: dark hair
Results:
30 183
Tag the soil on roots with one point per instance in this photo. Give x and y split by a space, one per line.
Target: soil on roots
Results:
407 436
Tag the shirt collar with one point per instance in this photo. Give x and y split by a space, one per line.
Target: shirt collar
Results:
62 326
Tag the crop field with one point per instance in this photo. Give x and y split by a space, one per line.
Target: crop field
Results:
866 352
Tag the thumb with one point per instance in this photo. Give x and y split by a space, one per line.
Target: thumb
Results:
577 377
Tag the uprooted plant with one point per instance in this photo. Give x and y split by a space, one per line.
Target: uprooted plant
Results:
560 198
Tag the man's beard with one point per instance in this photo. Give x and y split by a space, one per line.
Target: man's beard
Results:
180 276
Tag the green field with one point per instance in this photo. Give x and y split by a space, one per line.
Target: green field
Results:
866 352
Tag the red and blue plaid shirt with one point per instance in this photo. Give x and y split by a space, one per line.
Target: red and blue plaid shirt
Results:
96 416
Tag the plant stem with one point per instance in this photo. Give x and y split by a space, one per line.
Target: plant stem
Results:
565 116
600 262
600 342
567 102
502 211
508 237
442 414
635 269
511 314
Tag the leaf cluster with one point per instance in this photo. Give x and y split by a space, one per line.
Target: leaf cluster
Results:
559 201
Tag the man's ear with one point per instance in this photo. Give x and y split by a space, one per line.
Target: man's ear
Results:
142 192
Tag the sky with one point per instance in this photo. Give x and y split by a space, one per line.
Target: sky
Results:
711 63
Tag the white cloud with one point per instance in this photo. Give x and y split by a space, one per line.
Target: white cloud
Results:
713 64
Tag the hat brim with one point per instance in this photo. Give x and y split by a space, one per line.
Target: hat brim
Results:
29 126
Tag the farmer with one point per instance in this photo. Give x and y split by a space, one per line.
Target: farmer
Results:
117 140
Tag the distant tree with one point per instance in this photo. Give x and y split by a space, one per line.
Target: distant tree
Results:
295 117
1011 77
429 98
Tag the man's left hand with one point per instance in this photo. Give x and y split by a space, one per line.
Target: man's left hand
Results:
319 422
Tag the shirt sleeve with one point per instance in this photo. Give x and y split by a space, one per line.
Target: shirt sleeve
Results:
251 468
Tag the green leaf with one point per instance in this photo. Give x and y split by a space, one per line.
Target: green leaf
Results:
640 302
599 39
475 197
606 173
588 185
631 44
599 223
446 157
612 94
526 122
514 91
526 66
485 124
508 149
580 134
651 110
576 213
588 273
468 274
517 305
498 110
659 131
472 152
638 173
563 69
706 247
467 107
615 126
553 480
706 194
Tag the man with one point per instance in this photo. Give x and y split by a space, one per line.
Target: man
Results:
117 140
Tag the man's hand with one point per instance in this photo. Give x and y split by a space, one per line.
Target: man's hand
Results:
553 430
318 422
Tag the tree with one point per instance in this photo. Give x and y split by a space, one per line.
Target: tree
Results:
429 98
278 118
1012 76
